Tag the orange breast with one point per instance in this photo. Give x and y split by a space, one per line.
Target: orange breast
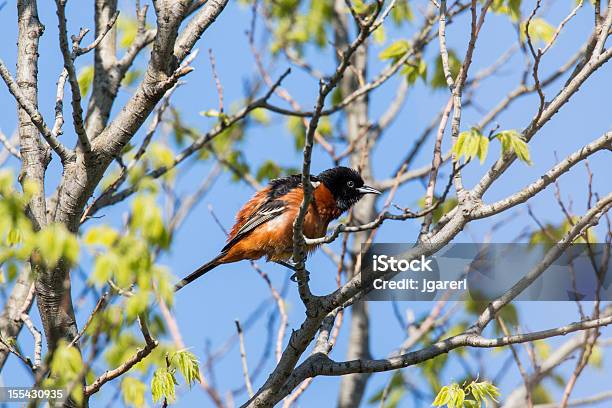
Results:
274 239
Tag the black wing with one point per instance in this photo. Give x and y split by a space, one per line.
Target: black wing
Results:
266 212
271 208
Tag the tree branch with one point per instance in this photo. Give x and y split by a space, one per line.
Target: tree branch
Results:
37 119
77 109
140 355
602 143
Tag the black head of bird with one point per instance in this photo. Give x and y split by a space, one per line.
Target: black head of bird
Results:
346 185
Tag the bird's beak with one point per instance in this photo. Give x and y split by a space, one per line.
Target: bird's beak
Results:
368 190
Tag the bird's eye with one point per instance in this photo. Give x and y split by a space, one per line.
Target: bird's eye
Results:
350 183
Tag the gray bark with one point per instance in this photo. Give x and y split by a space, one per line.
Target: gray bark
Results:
10 320
84 169
33 157
33 154
106 79
82 175
352 387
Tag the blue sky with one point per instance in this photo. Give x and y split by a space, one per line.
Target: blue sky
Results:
206 310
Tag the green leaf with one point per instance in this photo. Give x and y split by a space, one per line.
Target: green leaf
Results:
483 391
11 271
395 51
125 345
136 305
471 404
542 349
438 79
414 71
297 129
162 385
550 234
66 362
394 397
483 148
131 77
401 12
66 367
160 155
133 391
54 241
14 237
540 395
101 235
163 284
442 209
268 170
510 7
127 28
432 369
85 79
324 127
459 398
443 397
147 218
187 364
596 357
337 96
513 141
379 35
394 393
238 163
260 116
104 267
508 312
470 144
539 30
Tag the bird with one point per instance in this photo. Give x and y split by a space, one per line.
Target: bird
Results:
264 225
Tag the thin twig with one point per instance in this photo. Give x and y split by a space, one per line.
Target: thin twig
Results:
64 153
137 357
9 146
243 358
99 305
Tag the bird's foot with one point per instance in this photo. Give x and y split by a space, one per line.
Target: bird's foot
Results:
294 277
293 267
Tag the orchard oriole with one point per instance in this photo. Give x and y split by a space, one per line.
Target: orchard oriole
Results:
264 225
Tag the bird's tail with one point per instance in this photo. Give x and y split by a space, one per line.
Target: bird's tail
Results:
199 272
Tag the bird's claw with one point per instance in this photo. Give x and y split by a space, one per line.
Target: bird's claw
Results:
293 267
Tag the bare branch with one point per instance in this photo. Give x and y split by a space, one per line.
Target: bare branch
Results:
245 367
137 357
322 365
196 27
37 339
200 142
77 109
519 364
583 223
64 153
9 146
603 396
175 333
99 306
437 159
59 104
80 51
213 67
604 142
19 302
